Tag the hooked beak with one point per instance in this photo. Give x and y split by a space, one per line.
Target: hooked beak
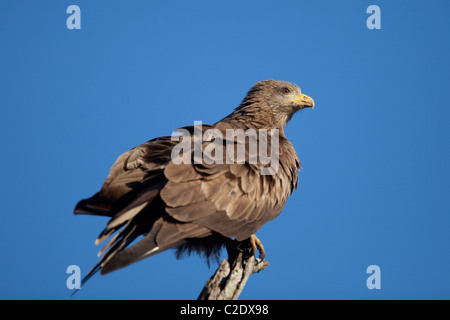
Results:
305 101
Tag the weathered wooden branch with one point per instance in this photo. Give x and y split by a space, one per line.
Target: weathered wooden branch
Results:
230 278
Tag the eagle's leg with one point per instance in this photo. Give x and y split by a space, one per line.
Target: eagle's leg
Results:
233 248
251 245
257 245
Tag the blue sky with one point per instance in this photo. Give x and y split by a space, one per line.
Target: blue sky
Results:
375 151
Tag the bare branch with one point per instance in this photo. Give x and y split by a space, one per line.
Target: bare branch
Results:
230 278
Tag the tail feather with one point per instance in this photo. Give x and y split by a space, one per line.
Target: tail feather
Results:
93 206
163 235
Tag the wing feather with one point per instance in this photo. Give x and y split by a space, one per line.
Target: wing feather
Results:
233 199
147 194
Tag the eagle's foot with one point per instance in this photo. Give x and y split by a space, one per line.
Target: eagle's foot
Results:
249 247
257 246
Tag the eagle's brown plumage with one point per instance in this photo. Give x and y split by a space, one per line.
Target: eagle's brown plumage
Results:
197 206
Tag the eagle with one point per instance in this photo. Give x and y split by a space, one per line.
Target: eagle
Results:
204 187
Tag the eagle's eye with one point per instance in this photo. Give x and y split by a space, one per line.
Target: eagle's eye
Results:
286 90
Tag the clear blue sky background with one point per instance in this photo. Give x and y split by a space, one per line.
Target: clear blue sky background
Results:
374 188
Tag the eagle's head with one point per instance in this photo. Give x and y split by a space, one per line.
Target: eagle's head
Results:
280 99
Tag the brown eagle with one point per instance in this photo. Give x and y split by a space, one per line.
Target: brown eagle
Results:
198 205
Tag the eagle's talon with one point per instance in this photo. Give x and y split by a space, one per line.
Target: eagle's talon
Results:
257 246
